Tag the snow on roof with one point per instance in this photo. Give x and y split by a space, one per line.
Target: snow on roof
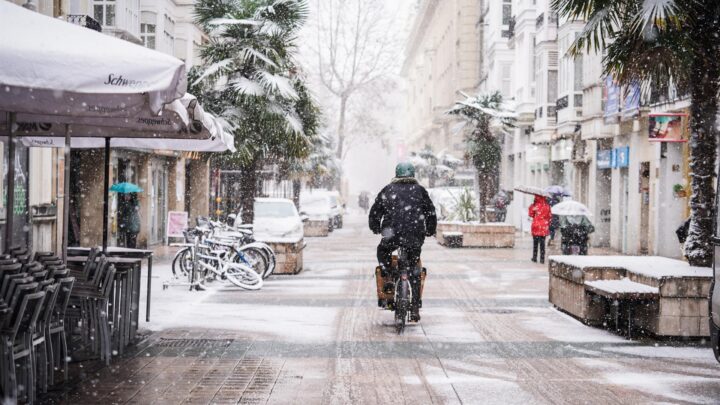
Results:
622 286
283 200
651 266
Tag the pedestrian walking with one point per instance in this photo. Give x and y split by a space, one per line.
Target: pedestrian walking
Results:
364 201
500 201
541 216
575 233
129 219
555 220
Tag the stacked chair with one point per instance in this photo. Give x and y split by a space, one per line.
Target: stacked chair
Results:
89 304
34 294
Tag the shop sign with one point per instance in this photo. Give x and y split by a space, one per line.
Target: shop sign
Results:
603 159
668 127
176 224
620 157
612 99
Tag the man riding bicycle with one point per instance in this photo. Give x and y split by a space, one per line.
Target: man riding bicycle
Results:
404 215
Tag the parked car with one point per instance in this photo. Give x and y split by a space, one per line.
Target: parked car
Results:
276 219
318 206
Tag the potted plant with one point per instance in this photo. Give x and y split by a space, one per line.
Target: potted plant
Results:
679 191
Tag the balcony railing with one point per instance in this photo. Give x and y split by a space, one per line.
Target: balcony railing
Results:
84 21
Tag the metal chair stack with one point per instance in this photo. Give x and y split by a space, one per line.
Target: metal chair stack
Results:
33 292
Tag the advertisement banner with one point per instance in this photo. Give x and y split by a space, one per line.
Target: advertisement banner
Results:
667 127
177 222
612 100
631 103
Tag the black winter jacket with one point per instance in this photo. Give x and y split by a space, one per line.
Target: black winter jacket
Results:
403 209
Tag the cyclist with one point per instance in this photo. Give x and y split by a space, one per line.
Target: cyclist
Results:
404 215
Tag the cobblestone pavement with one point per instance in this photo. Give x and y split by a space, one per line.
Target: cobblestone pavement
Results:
488 335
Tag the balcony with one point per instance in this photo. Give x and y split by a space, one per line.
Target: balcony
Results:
84 21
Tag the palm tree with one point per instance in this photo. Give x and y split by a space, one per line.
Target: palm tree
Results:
665 43
249 78
483 148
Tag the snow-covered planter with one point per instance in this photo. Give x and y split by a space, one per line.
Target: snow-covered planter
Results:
289 255
475 234
679 306
316 228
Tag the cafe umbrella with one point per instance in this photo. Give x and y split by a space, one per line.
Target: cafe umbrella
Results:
197 131
125 188
56 68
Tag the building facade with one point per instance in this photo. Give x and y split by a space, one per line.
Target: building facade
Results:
442 59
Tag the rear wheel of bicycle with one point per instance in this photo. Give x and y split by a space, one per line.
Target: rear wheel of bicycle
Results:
402 304
244 276
182 263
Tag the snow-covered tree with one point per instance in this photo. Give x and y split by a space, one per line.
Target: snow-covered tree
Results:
483 149
662 43
249 78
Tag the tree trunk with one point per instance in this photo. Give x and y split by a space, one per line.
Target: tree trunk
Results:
698 246
341 128
482 193
248 191
296 187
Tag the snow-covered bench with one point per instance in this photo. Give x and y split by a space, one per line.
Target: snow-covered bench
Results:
668 297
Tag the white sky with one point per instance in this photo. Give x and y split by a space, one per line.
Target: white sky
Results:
368 166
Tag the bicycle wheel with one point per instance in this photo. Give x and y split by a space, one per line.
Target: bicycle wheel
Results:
181 263
254 258
268 253
402 304
243 276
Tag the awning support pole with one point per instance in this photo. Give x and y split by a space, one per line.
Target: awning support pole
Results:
66 194
10 205
106 193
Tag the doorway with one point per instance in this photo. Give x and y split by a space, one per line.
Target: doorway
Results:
624 199
644 208
158 202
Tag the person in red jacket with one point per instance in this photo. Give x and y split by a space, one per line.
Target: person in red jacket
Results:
541 216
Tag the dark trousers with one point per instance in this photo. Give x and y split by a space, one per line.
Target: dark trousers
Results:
388 245
539 243
131 239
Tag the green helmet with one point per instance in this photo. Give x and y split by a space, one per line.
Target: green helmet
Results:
404 170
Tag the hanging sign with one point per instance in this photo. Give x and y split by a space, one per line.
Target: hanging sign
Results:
667 127
603 159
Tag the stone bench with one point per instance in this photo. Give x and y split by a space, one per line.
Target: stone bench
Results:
289 255
488 235
315 228
674 295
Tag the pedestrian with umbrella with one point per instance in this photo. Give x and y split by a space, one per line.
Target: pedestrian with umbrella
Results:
556 194
575 227
128 212
540 213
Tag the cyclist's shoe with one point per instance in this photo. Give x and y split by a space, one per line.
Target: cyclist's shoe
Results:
382 303
389 288
200 287
415 314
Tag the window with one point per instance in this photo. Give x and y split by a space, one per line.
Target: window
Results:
147 34
579 73
104 12
169 34
506 80
552 86
506 13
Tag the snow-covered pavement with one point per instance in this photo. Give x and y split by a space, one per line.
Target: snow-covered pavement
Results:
488 335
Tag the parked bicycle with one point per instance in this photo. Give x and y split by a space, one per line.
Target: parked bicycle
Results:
239 244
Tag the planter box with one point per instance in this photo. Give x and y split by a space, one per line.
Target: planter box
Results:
681 307
490 235
316 228
289 256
